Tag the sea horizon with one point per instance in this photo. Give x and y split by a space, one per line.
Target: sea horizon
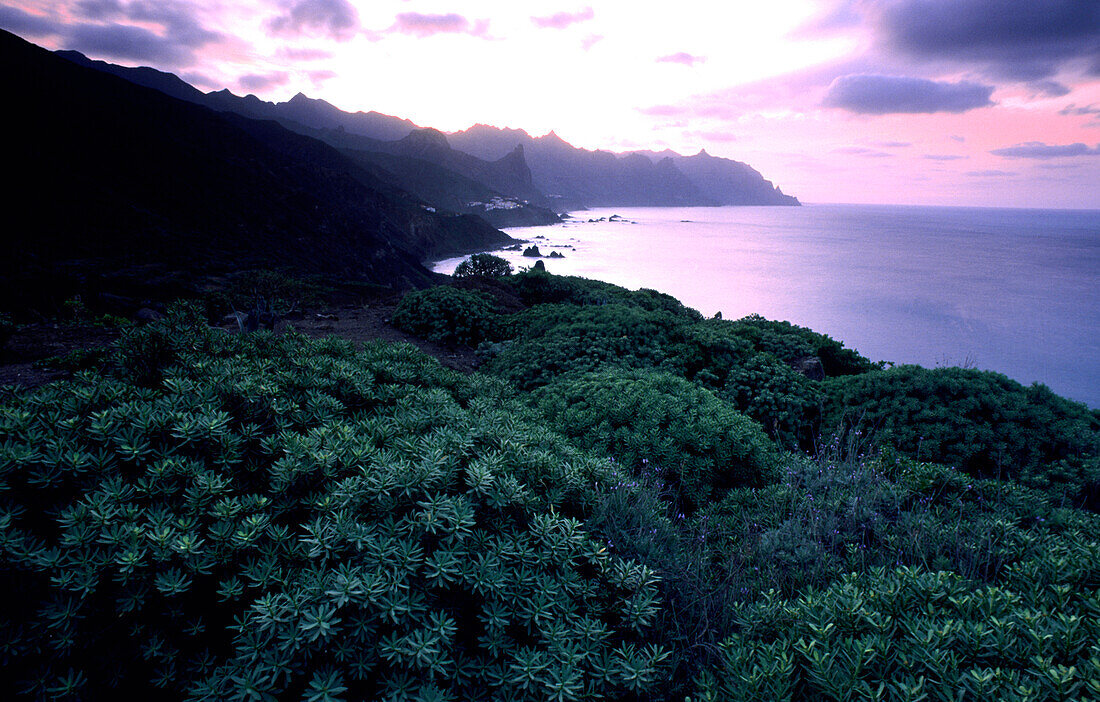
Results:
1005 289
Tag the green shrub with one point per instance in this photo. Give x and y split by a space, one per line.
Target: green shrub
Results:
448 316
555 339
820 521
538 287
785 402
484 265
143 353
270 517
790 343
706 352
980 422
909 634
699 446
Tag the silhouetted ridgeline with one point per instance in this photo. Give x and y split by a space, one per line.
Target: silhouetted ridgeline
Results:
544 171
578 177
112 178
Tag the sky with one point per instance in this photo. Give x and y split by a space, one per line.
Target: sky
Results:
929 102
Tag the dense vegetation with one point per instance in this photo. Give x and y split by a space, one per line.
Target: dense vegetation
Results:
628 502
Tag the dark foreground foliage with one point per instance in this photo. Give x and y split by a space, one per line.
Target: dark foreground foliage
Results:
258 517
980 422
630 503
700 446
448 316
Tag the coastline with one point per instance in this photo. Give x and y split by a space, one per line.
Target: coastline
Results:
1001 289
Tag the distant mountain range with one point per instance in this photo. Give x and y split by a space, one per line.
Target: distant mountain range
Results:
129 175
116 184
539 171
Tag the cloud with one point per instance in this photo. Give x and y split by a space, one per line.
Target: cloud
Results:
665 110
25 24
711 135
165 33
292 53
176 19
262 81
99 9
862 151
318 78
1048 88
842 15
878 95
420 25
957 137
892 144
991 174
1018 40
127 42
1037 149
561 20
682 58
944 157
337 19
201 80
1073 109
591 40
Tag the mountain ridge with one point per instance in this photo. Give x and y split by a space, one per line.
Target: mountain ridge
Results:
120 182
564 177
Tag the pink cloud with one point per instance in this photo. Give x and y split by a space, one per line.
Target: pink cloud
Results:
682 58
1037 149
421 25
712 135
295 54
862 151
262 81
337 19
561 20
319 77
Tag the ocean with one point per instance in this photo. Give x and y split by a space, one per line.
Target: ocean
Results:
1007 290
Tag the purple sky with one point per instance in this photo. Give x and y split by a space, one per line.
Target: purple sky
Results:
975 102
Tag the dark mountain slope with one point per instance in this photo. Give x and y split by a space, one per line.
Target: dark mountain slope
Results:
111 175
575 177
725 181
407 155
638 178
167 83
424 163
508 161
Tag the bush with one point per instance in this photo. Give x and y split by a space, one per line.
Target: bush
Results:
705 352
909 634
556 339
980 422
283 518
484 265
448 315
790 343
538 287
700 446
785 402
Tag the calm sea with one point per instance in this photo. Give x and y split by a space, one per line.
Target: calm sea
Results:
1014 291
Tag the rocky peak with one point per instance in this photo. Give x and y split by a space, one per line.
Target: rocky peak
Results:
515 165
